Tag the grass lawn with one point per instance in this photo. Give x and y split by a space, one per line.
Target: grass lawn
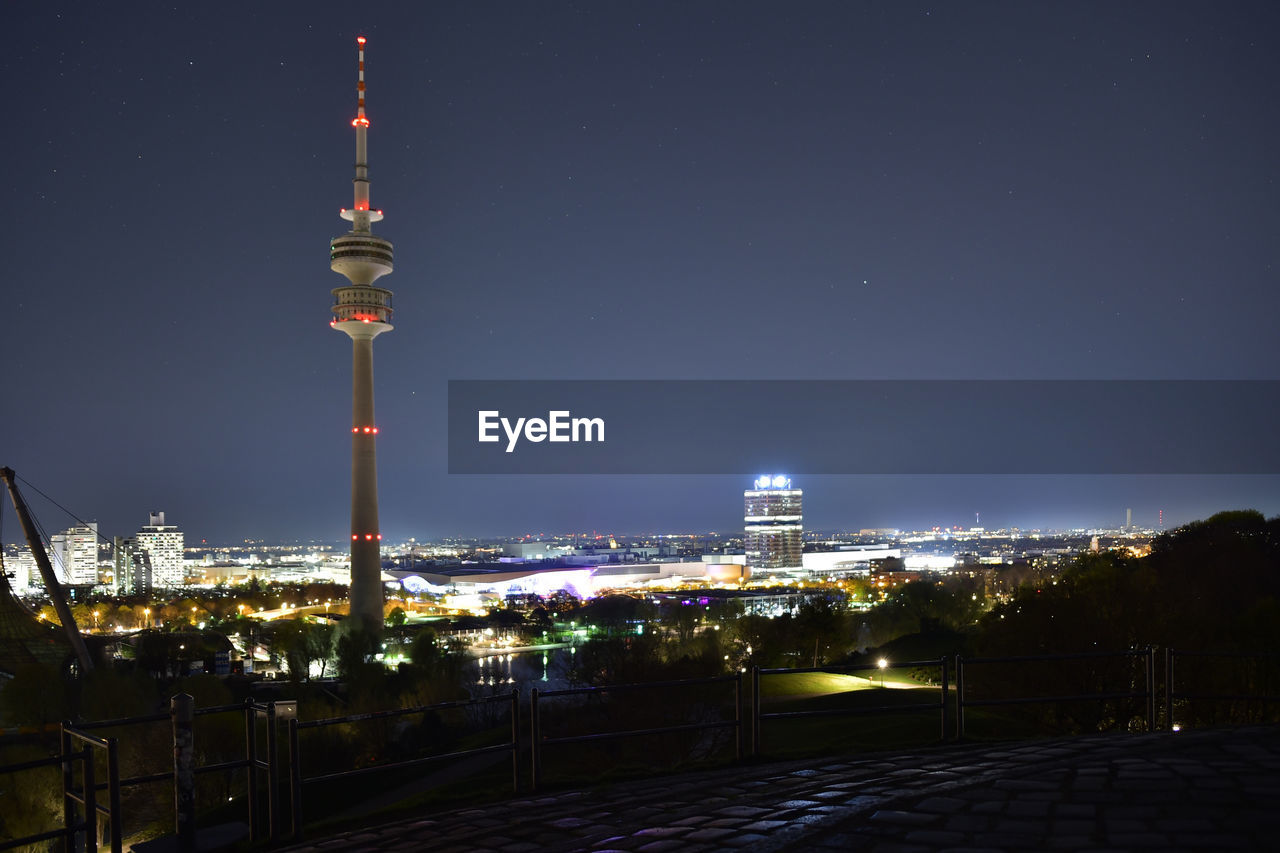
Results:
821 683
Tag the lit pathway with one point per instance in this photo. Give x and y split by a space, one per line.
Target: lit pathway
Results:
1209 790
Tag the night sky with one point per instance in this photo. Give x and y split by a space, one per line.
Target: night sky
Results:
737 190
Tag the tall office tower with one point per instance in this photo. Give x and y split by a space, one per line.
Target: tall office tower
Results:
20 566
132 567
163 544
363 311
75 554
774 524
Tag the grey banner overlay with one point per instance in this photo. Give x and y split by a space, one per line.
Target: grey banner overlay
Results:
747 427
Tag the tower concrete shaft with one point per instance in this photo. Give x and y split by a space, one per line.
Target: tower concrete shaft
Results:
363 311
366 540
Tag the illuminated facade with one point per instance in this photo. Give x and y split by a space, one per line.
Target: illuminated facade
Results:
163 544
774 525
132 567
75 554
363 311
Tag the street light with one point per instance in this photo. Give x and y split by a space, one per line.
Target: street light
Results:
883 664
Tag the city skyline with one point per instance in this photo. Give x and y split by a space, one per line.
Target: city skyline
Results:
657 191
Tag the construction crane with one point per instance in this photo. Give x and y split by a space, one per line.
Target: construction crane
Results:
51 585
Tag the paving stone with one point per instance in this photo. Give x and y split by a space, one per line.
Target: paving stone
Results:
935 837
942 805
691 821
742 811
967 823
1059 827
904 818
1139 839
844 841
663 844
746 839
1007 841
1028 808
661 831
1075 810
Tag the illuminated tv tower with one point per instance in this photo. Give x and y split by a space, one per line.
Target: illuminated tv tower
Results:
363 311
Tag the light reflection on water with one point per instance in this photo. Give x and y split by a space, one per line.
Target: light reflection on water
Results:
545 670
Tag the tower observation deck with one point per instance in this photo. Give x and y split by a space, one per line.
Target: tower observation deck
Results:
363 311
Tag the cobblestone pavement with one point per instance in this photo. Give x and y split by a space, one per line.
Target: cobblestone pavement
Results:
1204 790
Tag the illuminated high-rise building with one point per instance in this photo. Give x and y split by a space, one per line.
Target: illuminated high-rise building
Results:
20 566
363 312
132 567
75 554
774 521
163 544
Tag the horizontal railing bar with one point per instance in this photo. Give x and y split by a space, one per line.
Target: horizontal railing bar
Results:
160 777
603 688
839 668
41 762
852 712
143 780
1031 700
43 836
723 724
219 709
1225 696
502 747
1073 656
93 740
1242 655
226 765
125 721
401 712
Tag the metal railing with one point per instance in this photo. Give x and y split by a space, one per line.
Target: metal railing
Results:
297 780
181 716
758 716
1172 695
87 797
538 740
1148 695
71 797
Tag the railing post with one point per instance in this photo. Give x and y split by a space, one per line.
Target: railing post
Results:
182 713
68 785
90 803
755 712
1168 687
1151 688
515 741
959 698
251 755
942 703
737 718
113 795
273 775
535 744
295 780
